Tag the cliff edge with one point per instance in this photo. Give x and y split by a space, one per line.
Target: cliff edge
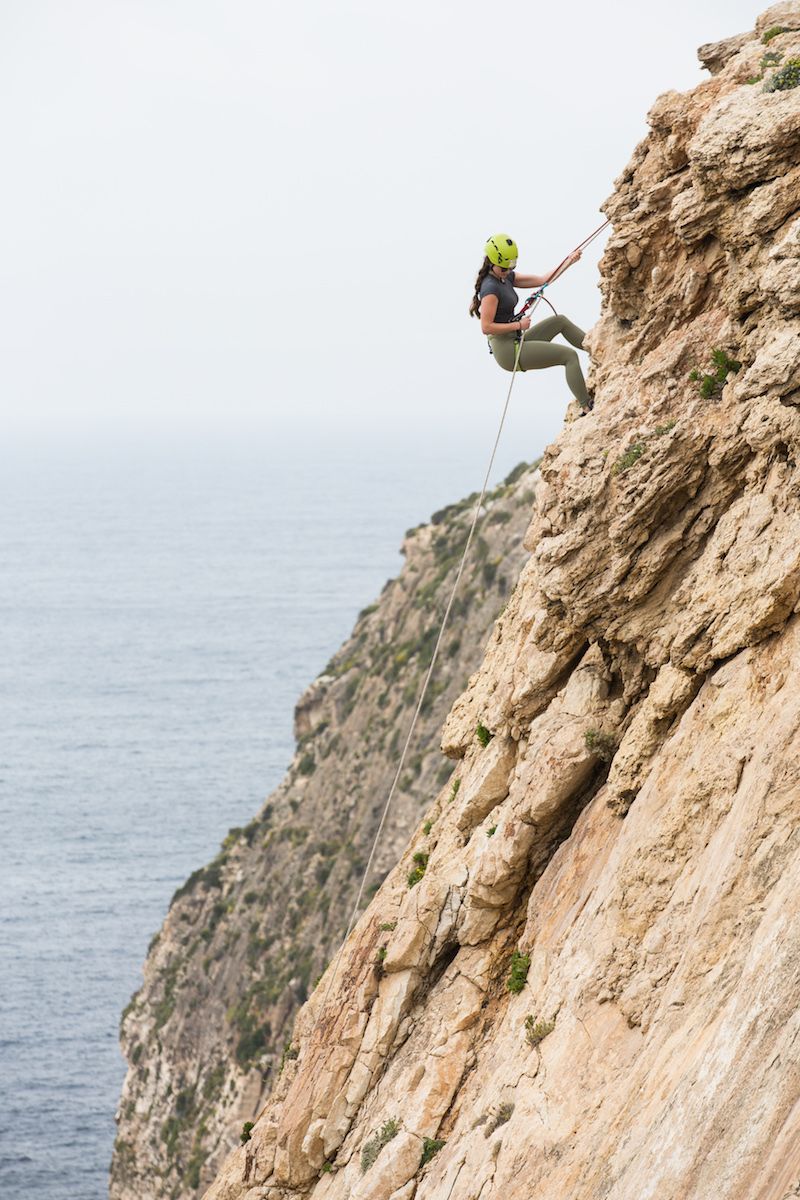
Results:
581 980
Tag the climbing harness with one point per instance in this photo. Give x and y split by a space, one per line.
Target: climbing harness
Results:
530 304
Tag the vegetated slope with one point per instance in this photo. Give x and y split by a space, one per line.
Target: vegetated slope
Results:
247 935
592 990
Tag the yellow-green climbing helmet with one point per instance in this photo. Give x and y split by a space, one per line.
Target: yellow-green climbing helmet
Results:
502 251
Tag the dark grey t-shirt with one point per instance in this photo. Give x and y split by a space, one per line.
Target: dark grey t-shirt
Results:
506 296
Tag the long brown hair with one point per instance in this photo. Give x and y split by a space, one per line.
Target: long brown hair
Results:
475 307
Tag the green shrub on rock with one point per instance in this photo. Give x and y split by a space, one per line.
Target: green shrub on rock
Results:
788 76
483 735
520 965
430 1146
420 863
371 1149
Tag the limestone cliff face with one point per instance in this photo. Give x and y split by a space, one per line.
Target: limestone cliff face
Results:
593 989
247 935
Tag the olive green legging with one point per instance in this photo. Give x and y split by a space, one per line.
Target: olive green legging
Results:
538 351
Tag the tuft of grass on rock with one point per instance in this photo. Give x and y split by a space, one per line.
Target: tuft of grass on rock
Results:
637 449
380 957
290 1053
430 1146
711 383
537 1031
420 861
501 1115
483 735
520 965
601 744
371 1149
626 460
771 59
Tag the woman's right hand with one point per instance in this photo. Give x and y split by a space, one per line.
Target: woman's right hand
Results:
524 323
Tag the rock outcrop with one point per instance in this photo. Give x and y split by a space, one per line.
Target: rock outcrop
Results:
246 935
581 979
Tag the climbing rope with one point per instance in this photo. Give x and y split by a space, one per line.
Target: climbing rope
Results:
418 709
530 304
535 297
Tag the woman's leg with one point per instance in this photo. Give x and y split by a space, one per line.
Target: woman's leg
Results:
546 330
540 353
536 355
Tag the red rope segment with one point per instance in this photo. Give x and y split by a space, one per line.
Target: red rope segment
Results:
560 269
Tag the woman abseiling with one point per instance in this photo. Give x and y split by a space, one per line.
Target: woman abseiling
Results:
495 301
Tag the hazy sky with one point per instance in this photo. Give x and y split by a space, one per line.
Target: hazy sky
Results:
240 206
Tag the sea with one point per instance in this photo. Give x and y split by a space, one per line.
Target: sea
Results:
168 589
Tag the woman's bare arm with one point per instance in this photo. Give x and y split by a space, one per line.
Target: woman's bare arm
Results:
491 327
537 281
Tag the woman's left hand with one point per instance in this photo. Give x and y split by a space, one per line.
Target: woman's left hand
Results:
573 258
